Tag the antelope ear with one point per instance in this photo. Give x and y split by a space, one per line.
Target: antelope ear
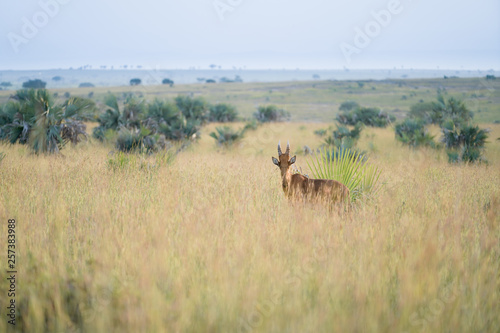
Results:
292 160
275 161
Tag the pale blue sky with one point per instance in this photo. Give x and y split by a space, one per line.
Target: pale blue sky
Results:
321 34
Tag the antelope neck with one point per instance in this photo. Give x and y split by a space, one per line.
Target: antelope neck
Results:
286 178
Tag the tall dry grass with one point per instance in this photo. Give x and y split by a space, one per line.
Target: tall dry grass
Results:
208 243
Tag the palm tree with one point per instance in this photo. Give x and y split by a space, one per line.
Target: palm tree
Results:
452 108
464 143
33 118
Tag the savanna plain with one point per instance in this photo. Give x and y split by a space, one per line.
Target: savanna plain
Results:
205 241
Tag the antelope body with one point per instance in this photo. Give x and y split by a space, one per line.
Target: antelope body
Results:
297 185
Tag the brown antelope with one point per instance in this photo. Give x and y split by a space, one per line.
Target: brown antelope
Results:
297 185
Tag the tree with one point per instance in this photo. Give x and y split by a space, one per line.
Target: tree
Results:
413 133
373 117
348 106
34 84
135 82
465 143
33 118
222 113
195 108
423 111
86 85
451 109
343 137
271 113
168 81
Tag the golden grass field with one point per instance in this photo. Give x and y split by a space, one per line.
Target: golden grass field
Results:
208 242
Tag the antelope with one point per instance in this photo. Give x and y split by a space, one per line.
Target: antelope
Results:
297 185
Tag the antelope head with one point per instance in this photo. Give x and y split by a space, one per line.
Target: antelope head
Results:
284 162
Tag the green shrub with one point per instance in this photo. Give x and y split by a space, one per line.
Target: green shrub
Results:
139 140
227 136
348 106
251 125
412 132
161 112
222 113
423 111
168 81
80 108
34 84
271 113
133 113
180 129
33 118
321 132
373 117
464 143
135 82
193 108
451 109
344 137
159 118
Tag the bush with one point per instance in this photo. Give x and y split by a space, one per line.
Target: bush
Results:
158 117
321 132
159 112
73 131
110 119
271 113
34 84
348 106
33 118
133 113
86 85
373 117
135 82
139 140
193 108
227 136
80 108
342 137
167 81
423 111
180 129
451 109
222 113
464 143
251 125
413 133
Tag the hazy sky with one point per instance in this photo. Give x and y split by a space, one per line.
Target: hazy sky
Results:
313 34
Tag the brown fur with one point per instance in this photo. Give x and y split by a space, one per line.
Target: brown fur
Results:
299 186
